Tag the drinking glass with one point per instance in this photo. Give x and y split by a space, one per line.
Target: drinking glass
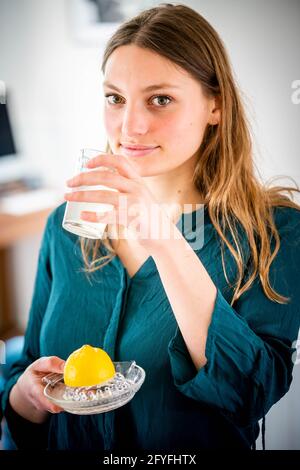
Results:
72 221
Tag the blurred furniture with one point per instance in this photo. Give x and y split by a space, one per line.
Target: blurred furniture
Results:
14 228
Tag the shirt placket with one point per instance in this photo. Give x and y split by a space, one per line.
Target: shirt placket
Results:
109 345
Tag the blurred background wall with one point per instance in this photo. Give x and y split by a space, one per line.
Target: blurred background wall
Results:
54 82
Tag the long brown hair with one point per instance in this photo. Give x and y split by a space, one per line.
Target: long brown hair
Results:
224 173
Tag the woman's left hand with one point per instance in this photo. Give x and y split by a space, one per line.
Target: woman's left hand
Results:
134 206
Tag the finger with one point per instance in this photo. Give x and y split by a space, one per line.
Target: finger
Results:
55 409
112 180
101 196
43 404
40 401
124 167
109 217
46 405
49 364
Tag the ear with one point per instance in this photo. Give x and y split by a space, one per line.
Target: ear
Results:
215 111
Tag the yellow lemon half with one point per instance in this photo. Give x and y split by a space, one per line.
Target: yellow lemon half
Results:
88 366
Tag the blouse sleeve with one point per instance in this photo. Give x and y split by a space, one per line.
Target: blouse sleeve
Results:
249 347
25 433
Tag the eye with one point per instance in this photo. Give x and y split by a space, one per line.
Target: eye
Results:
114 99
161 100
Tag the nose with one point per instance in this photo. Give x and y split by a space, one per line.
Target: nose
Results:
135 121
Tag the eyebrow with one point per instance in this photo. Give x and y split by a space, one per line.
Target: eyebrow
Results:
158 86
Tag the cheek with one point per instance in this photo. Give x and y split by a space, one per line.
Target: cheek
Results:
171 128
184 131
193 127
111 123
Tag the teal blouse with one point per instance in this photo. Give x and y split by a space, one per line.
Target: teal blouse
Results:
249 347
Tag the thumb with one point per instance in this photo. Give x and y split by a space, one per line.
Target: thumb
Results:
49 364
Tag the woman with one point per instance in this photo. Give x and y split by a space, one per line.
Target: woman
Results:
212 324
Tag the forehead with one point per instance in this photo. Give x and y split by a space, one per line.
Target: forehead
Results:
134 64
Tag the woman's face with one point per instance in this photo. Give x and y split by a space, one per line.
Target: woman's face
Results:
155 112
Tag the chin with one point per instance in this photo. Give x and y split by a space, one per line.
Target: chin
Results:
147 169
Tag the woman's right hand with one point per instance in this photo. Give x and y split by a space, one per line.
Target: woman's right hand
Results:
27 395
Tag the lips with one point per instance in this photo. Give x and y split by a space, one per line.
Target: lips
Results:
137 150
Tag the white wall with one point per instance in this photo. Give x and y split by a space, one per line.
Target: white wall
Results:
55 86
